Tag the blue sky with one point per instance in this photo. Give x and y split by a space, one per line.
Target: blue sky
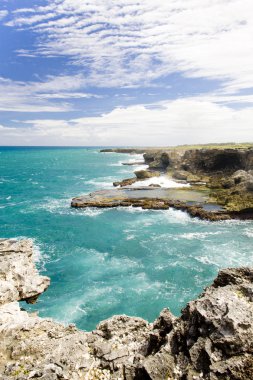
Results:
124 72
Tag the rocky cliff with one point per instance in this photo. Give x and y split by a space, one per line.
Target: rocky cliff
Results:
225 172
212 339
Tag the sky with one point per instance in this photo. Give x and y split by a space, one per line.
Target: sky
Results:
125 72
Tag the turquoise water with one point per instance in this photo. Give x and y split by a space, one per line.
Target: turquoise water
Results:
111 261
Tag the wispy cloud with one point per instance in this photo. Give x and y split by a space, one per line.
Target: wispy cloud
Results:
41 96
129 43
175 122
3 14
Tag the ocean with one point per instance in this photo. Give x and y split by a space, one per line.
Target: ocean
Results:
108 261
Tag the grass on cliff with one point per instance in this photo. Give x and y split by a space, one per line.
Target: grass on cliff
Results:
198 146
214 146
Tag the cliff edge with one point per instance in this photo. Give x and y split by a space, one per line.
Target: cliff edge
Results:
212 339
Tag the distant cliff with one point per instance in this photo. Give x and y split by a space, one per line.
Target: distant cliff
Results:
226 172
211 340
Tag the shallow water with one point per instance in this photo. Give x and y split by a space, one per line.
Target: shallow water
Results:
110 261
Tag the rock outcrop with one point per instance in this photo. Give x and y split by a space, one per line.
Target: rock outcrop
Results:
225 173
19 279
211 340
145 174
205 161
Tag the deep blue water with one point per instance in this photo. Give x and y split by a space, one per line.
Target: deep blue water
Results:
111 261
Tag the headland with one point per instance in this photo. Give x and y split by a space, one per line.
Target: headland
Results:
215 182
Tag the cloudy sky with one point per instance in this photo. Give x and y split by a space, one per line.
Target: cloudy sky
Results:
125 72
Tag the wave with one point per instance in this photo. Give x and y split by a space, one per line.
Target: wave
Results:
197 235
101 182
248 232
93 212
163 181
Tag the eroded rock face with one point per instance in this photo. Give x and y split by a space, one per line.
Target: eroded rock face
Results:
216 160
211 340
19 279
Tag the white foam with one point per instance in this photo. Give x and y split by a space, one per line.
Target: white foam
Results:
163 181
198 235
92 212
37 255
135 157
248 232
132 210
177 216
55 205
130 237
101 182
62 207
140 167
232 255
119 163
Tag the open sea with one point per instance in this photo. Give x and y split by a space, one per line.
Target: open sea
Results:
108 261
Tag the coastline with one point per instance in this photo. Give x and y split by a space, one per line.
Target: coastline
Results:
212 339
223 176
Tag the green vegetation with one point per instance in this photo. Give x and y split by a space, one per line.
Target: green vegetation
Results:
215 146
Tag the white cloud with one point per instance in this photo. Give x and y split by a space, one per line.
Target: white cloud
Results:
127 42
3 14
41 96
175 122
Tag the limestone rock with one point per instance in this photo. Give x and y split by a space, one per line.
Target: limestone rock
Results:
145 174
125 182
240 176
211 340
180 174
19 279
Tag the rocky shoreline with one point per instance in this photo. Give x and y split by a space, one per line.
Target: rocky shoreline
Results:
223 176
211 340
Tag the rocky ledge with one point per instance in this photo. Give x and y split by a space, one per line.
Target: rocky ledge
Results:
224 173
195 203
211 340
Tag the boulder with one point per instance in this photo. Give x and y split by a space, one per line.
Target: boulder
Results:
193 178
145 174
19 279
210 161
125 182
240 176
180 174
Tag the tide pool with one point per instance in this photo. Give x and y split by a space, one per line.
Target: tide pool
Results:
108 261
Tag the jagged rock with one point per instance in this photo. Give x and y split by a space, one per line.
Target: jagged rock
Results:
217 160
157 159
218 328
244 179
125 182
211 340
225 173
228 183
240 176
19 279
145 174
